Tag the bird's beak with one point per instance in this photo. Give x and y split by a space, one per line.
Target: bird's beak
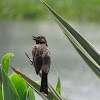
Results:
35 38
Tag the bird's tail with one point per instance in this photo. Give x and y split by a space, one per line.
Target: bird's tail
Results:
44 83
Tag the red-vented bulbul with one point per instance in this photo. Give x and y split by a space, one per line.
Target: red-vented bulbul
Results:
41 61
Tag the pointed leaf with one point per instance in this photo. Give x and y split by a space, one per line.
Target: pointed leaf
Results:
83 54
91 55
58 85
33 84
86 44
91 64
20 86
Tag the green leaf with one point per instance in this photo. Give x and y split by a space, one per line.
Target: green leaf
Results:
5 61
30 94
0 84
58 85
10 92
0 92
8 88
0 77
83 46
34 85
91 64
20 86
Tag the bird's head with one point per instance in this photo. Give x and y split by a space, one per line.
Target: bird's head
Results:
40 40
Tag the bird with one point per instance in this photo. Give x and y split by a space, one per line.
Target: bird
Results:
41 61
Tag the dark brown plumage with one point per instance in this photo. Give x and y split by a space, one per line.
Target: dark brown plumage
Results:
41 61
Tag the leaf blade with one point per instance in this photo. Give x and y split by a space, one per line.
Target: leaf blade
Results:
88 46
79 41
20 86
31 94
10 92
0 84
58 85
33 84
5 61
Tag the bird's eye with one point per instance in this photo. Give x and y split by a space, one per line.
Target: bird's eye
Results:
38 37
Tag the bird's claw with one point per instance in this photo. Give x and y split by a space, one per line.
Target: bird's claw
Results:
31 62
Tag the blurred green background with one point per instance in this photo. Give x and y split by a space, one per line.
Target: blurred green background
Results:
81 10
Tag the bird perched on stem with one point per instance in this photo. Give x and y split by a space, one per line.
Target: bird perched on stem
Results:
41 61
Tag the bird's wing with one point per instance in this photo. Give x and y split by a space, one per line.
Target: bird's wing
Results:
46 61
37 58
